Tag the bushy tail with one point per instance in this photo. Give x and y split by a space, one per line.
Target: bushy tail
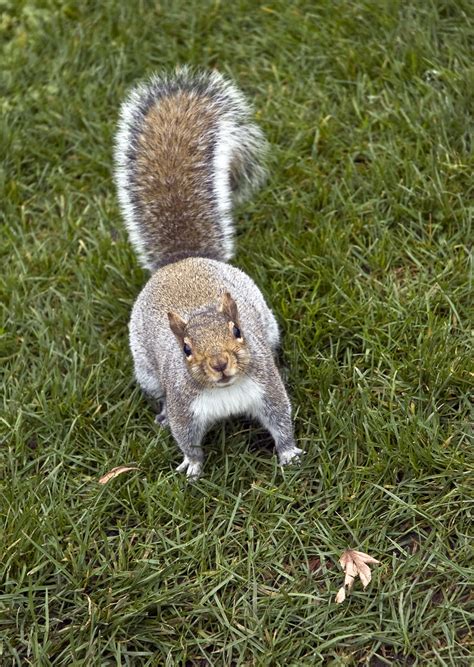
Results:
186 150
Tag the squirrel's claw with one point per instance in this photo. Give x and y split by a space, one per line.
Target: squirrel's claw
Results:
192 469
291 455
183 466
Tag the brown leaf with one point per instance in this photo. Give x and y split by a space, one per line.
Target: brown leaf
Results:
354 563
115 472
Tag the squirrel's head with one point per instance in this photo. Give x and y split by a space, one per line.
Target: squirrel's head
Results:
212 343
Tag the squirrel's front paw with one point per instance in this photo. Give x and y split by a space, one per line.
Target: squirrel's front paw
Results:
290 455
193 469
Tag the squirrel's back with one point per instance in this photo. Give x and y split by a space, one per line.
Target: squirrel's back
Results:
186 149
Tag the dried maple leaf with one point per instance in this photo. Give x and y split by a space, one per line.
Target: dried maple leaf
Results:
115 472
354 563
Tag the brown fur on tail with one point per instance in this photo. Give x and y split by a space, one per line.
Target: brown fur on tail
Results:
185 149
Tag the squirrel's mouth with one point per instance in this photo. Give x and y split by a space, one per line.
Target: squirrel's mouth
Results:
225 379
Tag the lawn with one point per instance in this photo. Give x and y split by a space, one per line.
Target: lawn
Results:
361 242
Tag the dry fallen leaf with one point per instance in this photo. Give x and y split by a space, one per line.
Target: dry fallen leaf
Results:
115 472
354 563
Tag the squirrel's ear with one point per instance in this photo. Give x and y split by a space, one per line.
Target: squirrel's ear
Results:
228 306
177 325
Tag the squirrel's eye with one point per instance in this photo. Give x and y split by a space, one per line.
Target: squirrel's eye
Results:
187 350
236 332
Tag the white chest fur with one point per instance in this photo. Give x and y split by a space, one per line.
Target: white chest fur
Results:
243 397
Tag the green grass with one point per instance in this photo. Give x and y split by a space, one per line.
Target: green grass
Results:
361 241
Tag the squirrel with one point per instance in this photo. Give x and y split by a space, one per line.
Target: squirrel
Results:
201 334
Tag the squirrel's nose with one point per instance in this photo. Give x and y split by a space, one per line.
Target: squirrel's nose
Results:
218 364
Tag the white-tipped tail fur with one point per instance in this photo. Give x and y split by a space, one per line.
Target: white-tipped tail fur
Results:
186 150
